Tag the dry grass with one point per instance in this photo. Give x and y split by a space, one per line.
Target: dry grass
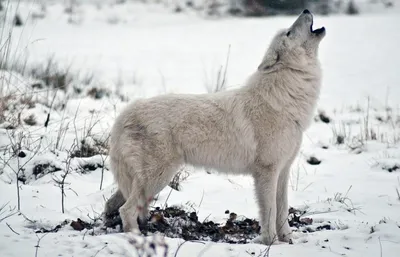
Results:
345 200
370 125
218 82
181 176
6 212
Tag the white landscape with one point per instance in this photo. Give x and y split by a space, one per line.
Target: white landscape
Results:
104 55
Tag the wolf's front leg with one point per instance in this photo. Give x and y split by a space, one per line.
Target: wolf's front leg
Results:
265 181
282 225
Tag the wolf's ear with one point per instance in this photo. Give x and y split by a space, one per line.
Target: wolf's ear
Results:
270 59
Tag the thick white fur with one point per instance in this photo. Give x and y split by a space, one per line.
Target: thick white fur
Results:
256 130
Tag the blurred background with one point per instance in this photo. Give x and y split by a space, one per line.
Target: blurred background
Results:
146 47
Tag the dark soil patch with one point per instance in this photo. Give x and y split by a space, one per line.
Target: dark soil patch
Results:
22 178
393 168
88 167
304 224
339 139
22 154
176 223
324 118
18 21
313 161
43 169
81 225
53 230
78 225
31 120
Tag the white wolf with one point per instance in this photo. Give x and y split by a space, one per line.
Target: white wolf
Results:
256 129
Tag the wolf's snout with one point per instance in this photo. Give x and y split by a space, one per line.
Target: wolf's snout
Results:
305 17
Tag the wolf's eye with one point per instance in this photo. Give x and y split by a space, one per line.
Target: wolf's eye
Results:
287 34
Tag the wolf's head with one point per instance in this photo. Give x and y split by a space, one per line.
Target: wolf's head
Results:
295 46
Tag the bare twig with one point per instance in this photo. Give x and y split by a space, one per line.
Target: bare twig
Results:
16 148
103 163
8 225
166 200
28 219
179 247
60 182
206 248
99 251
38 243
201 201
12 212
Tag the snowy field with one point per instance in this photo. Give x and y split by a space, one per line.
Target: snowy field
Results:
110 55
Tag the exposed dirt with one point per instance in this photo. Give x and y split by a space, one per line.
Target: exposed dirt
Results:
176 223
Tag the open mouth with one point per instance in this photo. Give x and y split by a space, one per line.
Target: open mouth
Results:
316 31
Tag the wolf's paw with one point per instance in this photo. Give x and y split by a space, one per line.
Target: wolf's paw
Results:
128 225
265 240
111 221
127 228
287 238
285 235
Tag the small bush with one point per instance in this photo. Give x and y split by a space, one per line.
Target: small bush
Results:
51 74
352 9
97 93
339 139
3 107
90 147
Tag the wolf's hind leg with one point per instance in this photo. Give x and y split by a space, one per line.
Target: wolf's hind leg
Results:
162 173
131 209
112 206
114 203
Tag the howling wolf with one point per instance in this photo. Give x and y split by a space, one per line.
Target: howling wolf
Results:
256 130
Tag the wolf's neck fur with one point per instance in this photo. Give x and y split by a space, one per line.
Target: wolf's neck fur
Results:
290 91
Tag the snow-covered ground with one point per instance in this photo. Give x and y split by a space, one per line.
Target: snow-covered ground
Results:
124 52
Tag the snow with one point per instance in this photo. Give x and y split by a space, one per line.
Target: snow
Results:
135 50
